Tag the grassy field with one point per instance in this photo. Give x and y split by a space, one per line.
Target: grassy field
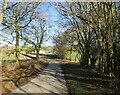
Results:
9 60
5 56
85 81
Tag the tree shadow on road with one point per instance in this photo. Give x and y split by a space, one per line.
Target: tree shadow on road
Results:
79 80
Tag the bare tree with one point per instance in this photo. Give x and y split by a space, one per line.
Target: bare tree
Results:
35 34
19 16
97 32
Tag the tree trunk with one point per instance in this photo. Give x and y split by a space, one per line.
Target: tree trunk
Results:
17 47
37 54
3 9
93 60
115 59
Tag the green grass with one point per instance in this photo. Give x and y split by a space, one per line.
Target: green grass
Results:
84 81
47 49
72 56
5 56
9 60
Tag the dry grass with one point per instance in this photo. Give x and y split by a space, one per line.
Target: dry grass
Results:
15 76
85 81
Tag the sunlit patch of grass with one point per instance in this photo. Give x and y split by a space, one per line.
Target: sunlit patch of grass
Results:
72 56
5 56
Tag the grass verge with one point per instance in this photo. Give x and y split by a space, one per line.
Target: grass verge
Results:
84 81
17 76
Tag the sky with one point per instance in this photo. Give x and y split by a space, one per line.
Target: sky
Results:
53 21
52 17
